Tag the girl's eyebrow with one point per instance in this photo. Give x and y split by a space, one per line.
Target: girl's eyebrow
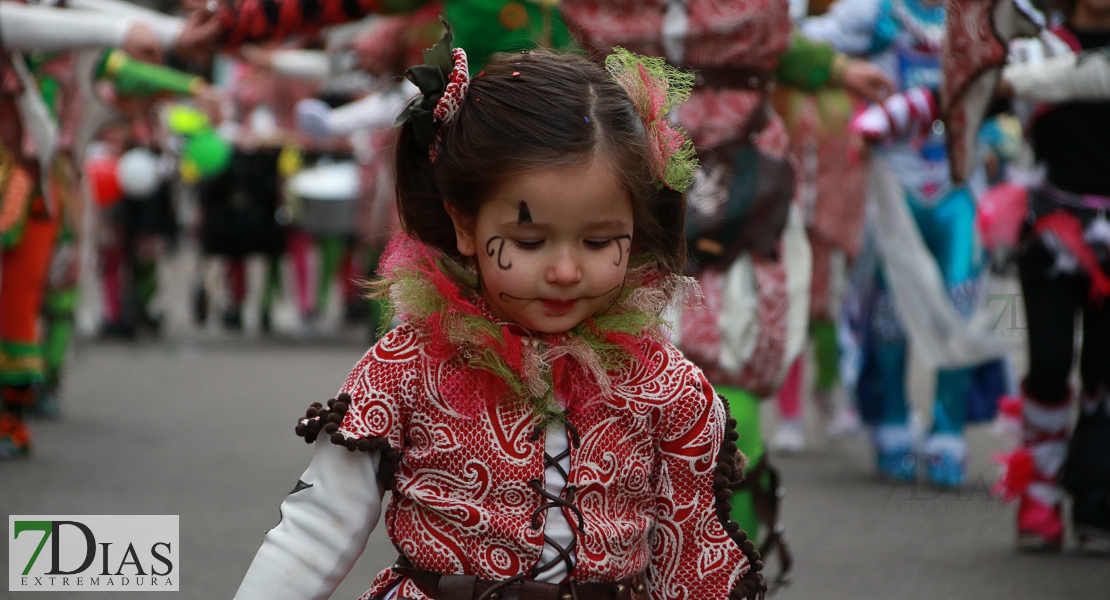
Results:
605 223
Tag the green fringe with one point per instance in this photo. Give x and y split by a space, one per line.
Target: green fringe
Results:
481 339
624 66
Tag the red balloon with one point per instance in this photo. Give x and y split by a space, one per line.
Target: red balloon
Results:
103 182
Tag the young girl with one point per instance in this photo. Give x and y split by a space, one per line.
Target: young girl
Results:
539 437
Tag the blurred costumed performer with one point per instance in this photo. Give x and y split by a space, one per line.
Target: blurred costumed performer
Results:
1063 267
37 165
831 197
929 260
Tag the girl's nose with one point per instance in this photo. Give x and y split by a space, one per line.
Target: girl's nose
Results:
566 269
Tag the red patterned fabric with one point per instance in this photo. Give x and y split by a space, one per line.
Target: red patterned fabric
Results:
457 84
970 44
748 34
447 108
701 332
977 35
840 207
642 475
971 47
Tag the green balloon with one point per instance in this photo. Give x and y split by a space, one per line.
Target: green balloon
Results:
205 155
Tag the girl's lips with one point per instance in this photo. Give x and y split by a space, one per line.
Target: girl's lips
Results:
559 305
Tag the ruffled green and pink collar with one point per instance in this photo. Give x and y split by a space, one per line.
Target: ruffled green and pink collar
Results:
507 363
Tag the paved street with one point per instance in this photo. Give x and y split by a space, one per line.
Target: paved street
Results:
201 426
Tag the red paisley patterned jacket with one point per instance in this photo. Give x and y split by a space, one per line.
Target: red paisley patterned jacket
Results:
642 468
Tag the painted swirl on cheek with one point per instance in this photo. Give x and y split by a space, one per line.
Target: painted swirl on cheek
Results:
621 251
490 251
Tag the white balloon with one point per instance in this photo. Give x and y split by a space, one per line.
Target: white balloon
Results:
138 173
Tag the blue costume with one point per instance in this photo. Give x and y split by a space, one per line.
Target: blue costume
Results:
904 37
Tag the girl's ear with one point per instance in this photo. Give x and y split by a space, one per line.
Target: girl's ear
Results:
464 230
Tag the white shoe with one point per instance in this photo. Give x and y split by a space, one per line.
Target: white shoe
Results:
789 438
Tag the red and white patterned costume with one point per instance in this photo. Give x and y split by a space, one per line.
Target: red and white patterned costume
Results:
642 474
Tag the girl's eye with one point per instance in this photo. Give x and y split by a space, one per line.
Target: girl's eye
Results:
528 244
599 244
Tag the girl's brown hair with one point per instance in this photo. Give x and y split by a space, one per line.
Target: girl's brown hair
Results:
528 111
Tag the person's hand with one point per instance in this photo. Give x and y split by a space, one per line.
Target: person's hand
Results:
142 44
202 31
867 80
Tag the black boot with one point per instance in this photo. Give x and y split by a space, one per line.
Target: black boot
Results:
1087 475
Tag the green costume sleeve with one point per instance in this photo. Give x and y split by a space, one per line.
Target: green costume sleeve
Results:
807 64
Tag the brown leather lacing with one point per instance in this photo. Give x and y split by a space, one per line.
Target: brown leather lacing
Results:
728 477
566 554
318 417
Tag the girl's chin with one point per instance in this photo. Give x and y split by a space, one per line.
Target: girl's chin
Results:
549 323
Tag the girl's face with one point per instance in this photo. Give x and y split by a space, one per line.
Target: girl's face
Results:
552 245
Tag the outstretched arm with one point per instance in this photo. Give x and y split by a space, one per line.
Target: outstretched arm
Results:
26 28
325 522
1065 78
809 64
166 27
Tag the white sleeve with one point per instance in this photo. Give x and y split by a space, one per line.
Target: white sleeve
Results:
1062 78
312 65
27 28
374 112
326 521
168 28
849 25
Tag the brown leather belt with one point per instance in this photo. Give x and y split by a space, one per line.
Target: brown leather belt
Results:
441 586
